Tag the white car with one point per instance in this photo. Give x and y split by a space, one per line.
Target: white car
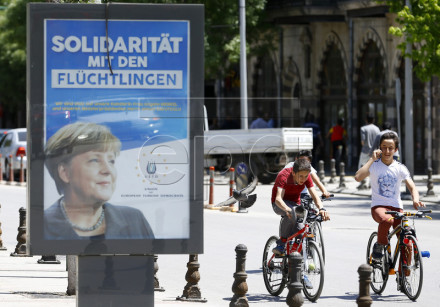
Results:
13 144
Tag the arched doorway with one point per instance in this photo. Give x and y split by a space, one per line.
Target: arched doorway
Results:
333 95
371 87
264 91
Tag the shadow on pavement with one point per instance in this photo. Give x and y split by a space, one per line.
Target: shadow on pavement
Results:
391 298
260 271
260 298
347 297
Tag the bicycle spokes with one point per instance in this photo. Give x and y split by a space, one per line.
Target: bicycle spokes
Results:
411 273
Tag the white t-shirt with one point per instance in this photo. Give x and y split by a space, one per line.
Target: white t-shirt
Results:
385 183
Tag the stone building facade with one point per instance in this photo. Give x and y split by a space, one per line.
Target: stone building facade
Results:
336 59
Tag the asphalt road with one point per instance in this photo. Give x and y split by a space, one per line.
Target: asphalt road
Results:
346 236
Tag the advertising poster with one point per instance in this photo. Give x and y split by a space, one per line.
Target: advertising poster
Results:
116 129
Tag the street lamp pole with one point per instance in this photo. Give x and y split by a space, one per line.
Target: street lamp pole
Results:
243 72
409 130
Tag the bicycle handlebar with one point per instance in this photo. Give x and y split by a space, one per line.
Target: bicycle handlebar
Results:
419 214
323 198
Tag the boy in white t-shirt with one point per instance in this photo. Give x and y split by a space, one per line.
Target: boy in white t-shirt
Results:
386 176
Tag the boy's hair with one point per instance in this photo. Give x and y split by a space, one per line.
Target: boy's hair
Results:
390 136
304 153
301 165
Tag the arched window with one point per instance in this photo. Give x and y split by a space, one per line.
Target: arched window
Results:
333 74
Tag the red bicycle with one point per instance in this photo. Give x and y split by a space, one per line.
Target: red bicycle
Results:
276 268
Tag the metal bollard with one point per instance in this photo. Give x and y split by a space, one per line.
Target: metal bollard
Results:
20 249
363 185
71 263
332 171
342 175
11 171
364 299
1 170
211 185
321 171
49 259
21 170
231 180
2 248
157 286
191 292
240 287
294 297
430 184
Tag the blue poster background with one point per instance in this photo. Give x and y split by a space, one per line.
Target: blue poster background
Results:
143 99
128 121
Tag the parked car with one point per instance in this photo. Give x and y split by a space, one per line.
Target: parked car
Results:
13 143
2 132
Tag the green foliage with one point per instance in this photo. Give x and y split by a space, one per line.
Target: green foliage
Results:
13 55
420 27
222 44
222 37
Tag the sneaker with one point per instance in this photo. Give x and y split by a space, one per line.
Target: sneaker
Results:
307 282
377 252
279 250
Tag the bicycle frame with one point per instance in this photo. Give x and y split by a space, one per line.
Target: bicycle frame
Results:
400 235
301 243
290 248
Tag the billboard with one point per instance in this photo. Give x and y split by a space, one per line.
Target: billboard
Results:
113 120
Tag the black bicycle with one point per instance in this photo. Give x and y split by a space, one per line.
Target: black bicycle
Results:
407 256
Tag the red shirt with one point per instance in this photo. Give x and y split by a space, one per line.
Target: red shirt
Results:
337 133
292 191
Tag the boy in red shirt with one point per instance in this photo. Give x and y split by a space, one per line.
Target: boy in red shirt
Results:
286 196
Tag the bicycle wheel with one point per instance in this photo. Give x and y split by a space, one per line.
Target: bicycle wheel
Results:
411 271
313 268
380 269
273 269
316 230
